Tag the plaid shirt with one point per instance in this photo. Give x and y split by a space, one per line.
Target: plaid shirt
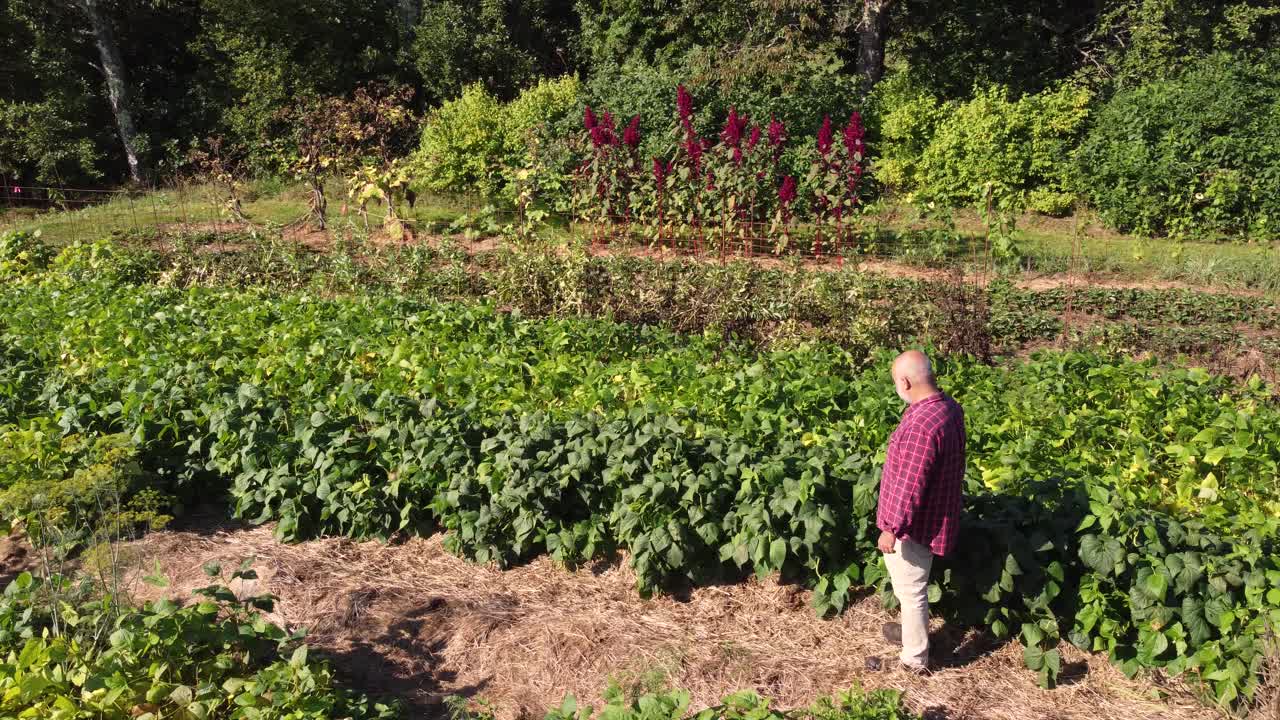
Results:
920 489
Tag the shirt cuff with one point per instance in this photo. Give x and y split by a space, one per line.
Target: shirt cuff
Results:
895 529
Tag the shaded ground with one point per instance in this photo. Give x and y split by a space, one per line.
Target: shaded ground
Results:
414 621
15 557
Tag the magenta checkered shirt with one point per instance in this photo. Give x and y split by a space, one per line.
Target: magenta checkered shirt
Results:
923 479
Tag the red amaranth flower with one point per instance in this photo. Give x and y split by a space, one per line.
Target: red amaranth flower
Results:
684 105
693 146
733 127
589 119
604 134
631 136
754 138
777 132
787 192
824 136
856 149
660 171
853 135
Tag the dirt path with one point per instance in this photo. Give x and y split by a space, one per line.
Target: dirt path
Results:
896 269
414 621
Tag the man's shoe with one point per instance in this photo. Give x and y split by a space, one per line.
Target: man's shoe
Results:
918 670
892 633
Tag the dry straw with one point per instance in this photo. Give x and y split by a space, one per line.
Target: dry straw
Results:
410 619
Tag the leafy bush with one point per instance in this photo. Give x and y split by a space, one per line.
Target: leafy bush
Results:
104 260
1193 154
475 144
951 151
63 657
23 252
462 141
75 489
553 103
904 119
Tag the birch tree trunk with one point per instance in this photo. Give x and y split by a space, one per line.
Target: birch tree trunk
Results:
113 70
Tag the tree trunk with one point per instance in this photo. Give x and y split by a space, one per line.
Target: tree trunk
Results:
871 37
117 87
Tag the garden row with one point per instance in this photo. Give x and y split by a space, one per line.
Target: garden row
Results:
1129 509
767 306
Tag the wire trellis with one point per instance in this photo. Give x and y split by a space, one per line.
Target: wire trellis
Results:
69 214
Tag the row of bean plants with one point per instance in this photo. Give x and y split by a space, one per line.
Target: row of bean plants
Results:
69 653
1126 508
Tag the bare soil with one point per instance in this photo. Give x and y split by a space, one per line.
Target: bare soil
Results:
412 621
15 557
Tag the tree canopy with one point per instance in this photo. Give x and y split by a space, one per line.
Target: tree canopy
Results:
90 84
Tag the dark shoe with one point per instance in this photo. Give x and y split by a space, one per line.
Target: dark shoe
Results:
892 633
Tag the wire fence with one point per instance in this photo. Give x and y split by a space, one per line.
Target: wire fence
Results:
67 214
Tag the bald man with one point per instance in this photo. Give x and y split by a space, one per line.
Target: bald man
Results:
920 497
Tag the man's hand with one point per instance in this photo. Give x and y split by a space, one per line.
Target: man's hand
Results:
886 542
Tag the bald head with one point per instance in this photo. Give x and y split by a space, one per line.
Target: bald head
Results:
913 376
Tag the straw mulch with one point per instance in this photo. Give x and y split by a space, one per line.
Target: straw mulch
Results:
413 621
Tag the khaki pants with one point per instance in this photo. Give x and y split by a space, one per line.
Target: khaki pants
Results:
909 573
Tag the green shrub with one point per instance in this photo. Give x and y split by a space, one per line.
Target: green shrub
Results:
906 119
461 142
1193 154
215 658
550 102
951 151
534 130
476 144
104 260
74 489
23 252
1020 147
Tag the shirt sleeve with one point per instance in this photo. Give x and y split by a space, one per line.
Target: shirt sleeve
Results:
906 475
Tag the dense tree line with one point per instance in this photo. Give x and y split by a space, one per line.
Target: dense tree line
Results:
108 91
